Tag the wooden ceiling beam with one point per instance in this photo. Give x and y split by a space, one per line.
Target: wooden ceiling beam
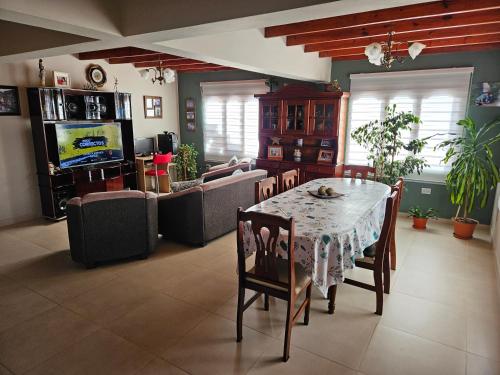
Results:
436 8
406 26
215 69
463 48
407 37
146 58
436 43
169 63
199 65
115 52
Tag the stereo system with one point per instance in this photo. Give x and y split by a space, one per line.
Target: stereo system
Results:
59 200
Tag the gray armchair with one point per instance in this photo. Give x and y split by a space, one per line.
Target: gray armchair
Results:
112 225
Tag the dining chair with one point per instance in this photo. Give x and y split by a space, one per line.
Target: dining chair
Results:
366 172
398 186
289 180
160 162
271 275
265 189
379 264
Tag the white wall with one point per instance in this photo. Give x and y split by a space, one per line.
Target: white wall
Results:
19 197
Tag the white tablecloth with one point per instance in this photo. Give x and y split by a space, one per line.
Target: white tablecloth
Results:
329 233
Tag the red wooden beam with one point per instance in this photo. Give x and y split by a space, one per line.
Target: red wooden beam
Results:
216 69
451 32
146 58
459 41
408 26
188 66
169 63
436 8
464 48
115 52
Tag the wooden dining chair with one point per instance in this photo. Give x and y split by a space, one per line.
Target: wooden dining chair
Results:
378 264
366 172
289 180
271 274
398 186
265 189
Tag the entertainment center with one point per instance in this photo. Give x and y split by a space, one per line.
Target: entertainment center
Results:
84 142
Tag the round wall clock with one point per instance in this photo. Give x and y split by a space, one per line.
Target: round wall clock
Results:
96 75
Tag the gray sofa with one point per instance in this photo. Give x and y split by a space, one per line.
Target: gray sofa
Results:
202 213
112 225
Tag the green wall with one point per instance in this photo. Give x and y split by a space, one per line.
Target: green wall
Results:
486 68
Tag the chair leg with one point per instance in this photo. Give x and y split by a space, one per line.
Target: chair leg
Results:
379 290
239 314
393 251
308 306
332 293
266 301
288 331
387 275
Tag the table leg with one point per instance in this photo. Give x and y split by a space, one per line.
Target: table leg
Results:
332 292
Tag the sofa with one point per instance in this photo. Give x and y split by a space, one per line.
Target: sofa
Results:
205 212
112 225
224 170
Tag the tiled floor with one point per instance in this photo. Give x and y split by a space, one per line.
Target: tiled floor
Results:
174 312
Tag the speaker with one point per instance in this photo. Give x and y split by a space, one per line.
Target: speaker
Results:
60 199
168 142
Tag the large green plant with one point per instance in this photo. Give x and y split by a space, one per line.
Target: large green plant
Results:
185 162
473 171
384 142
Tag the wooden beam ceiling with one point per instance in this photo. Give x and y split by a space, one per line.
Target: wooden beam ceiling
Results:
144 58
114 52
170 63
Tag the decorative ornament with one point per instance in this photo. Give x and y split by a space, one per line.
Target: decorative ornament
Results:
89 86
275 140
96 75
381 54
41 72
271 83
334 86
116 85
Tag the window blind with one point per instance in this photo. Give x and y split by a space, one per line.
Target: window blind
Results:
231 115
438 96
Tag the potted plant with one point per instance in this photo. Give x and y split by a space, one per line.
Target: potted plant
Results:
420 217
185 162
473 172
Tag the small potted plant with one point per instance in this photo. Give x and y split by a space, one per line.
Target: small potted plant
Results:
473 172
420 217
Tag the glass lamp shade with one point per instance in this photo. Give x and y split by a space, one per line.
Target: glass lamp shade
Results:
169 75
415 49
144 73
373 51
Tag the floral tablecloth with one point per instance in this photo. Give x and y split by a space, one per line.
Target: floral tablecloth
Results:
329 233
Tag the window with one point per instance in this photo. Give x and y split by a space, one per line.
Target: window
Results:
231 116
439 97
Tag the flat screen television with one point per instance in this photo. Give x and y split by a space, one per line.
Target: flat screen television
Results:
82 143
144 146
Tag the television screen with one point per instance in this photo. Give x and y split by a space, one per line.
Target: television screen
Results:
144 146
88 143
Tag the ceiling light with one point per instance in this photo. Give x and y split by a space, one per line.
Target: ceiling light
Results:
382 54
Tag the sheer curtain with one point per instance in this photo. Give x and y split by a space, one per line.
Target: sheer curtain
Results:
438 96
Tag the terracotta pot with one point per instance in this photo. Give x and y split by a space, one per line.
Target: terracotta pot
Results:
464 229
420 222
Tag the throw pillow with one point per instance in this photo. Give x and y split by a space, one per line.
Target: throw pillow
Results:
184 185
232 161
237 171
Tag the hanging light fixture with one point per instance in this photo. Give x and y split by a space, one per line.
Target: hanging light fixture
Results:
381 54
161 74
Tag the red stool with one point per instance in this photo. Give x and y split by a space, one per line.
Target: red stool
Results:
159 159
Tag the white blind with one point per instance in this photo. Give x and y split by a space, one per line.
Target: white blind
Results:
231 116
439 97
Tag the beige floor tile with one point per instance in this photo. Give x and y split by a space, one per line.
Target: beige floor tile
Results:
160 367
6 285
300 362
29 343
483 335
426 319
111 301
341 337
211 348
99 353
477 365
15 250
356 297
4 371
395 352
158 323
20 304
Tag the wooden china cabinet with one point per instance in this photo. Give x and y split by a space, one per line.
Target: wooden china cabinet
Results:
299 112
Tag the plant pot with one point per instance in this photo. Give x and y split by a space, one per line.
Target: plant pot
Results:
464 228
420 222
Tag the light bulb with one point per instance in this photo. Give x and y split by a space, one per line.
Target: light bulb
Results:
144 73
169 75
373 50
415 49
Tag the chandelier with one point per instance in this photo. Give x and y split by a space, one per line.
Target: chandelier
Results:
161 75
381 54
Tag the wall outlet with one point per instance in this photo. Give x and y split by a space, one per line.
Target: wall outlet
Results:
426 191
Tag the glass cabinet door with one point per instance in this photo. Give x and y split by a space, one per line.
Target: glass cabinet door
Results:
296 117
270 116
324 118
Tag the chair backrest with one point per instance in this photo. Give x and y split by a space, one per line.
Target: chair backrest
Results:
289 180
384 240
365 171
265 189
162 158
400 184
267 254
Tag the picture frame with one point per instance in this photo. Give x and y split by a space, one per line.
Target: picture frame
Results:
189 103
9 101
61 79
153 108
191 126
326 143
325 156
190 115
275 152
190 111
486 94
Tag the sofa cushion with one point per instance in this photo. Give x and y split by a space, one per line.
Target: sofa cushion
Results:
233 161
214 184
184 185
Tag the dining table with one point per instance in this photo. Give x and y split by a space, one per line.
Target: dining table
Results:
330 234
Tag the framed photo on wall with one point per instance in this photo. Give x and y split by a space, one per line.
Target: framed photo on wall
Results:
153 107
190 115
9 101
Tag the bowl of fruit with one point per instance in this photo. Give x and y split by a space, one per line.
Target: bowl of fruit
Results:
325 192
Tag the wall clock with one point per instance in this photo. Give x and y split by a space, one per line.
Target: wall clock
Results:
96 75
